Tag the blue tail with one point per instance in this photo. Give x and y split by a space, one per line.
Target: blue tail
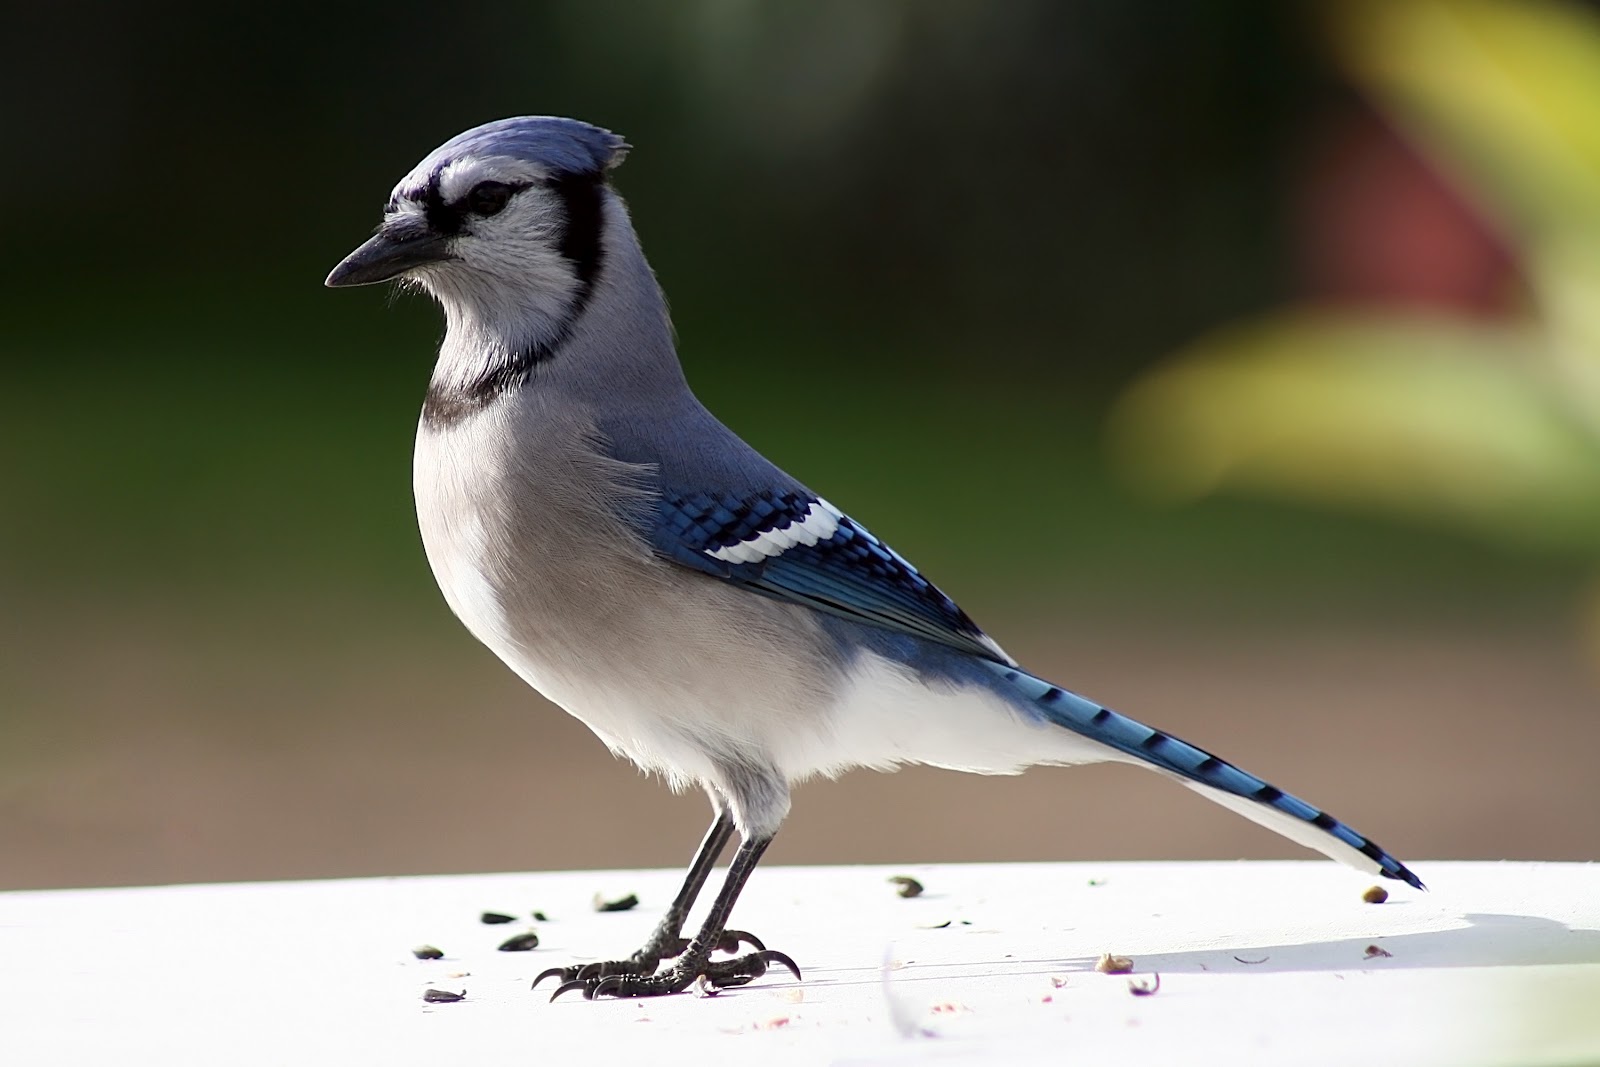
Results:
1222 781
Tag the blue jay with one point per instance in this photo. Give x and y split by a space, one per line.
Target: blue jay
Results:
705 614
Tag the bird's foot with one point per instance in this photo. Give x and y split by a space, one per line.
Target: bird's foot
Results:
720 974
644 962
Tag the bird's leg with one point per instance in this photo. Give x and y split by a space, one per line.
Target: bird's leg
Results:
667 940
695 961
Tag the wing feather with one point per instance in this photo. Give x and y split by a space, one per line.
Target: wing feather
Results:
796 547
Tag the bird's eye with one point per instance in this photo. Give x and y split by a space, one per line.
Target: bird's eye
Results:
489 198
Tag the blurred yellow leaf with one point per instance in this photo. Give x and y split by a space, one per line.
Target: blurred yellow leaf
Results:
1508 90
1506 94
1414 415
1566 279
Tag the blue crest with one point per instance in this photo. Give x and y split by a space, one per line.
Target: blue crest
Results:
565 146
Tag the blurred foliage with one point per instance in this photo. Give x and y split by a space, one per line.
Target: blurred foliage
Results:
931 173
1423 417
1492 423
913 249
958 228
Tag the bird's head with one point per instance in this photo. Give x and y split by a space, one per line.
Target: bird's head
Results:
508 213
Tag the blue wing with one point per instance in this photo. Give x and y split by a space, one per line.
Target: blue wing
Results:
796 547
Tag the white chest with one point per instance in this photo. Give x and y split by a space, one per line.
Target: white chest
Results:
519 520
462 517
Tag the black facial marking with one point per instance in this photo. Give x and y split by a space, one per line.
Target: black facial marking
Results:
442 218
482 200
581 198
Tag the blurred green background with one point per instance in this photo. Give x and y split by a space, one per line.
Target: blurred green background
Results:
1232 362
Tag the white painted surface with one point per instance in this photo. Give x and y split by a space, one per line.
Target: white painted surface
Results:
1500 963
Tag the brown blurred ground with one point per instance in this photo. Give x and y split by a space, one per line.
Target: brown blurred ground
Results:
165 752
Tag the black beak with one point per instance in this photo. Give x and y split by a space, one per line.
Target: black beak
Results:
401 245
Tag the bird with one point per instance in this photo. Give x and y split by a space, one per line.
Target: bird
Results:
705 614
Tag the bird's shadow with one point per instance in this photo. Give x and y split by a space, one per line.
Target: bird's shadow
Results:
1488 940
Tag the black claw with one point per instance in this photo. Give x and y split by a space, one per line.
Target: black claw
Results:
767 955
746 969
643 965
620 979
567 987
730 941
593 972
562 973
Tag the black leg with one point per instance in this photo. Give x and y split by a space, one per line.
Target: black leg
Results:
664 941
667 940
696 958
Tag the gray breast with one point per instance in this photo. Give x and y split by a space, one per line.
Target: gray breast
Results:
524 521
